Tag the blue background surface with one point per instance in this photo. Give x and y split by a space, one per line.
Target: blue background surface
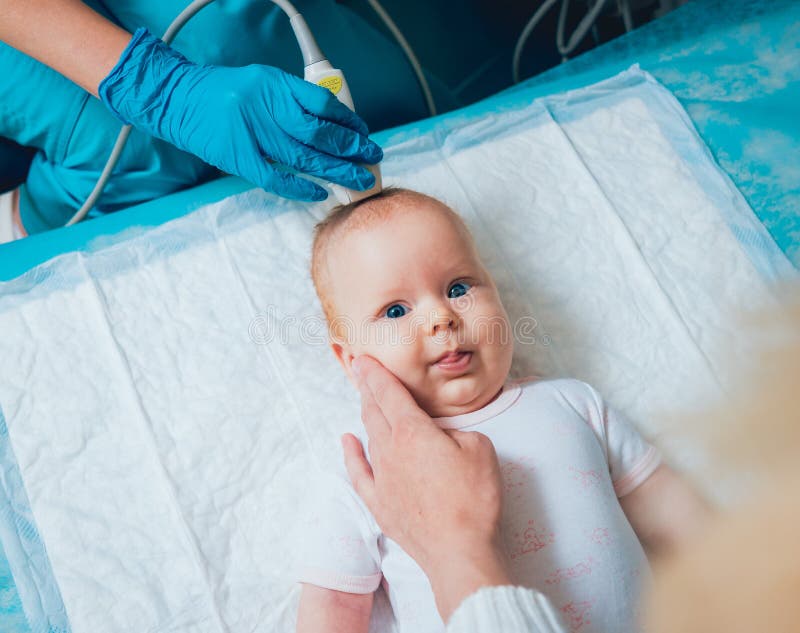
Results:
12 620
733 64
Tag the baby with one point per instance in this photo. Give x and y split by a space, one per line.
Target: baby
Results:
400 279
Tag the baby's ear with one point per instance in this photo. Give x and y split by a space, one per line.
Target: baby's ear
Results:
345 358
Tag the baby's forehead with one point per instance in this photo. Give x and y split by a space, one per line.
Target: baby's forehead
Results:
390 209
412 210
400 245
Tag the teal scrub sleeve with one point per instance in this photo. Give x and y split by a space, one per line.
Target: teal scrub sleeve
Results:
241 119
74 133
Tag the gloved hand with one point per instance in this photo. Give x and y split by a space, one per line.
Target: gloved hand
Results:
237 118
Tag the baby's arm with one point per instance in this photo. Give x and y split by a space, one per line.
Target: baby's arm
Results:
665 510
328 611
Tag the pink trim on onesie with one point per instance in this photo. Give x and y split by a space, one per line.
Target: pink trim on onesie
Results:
340 582
638 474
509 395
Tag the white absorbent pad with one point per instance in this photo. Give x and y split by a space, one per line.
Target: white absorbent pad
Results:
166 398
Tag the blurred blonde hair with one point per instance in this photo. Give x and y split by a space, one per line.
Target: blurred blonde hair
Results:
743 573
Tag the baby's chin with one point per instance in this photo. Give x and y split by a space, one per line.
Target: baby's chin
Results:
459 396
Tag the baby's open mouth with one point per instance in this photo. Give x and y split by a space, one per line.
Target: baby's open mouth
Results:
454 361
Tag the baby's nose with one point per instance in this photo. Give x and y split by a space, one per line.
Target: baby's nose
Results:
442 322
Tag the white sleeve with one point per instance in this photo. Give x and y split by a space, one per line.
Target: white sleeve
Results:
506 609
339 541
631 458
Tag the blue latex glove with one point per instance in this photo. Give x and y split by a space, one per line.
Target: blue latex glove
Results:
237 118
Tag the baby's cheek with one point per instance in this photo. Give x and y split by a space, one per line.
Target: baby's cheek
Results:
498 363
492 335
497 343
400 358
405 360
379 337
486 325
386 341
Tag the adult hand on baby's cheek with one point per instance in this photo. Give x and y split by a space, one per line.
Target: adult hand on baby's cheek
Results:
438 494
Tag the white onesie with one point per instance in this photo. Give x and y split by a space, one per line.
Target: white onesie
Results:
565 458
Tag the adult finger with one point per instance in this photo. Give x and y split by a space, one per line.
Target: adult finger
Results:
332 138
358 469
295 187
310 161
374 420
390 396
323 103
471 439
259 172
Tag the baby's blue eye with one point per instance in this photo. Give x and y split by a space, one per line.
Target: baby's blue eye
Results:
395 311
458 290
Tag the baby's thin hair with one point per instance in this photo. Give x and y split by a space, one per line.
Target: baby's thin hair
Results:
353 216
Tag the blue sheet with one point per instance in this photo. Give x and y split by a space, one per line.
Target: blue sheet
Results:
739 80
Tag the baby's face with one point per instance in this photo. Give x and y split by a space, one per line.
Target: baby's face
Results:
411 291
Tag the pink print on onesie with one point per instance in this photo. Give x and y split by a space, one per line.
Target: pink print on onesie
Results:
527 537
587 479
576 614
516 477
584 568
530 538
599 535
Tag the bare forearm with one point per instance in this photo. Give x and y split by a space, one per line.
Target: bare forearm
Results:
66 35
